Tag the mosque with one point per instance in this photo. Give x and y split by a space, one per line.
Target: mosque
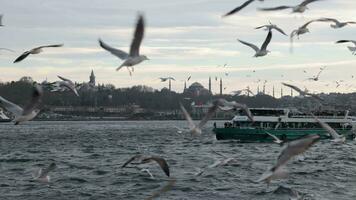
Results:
197 89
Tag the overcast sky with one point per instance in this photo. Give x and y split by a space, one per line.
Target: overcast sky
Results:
182 38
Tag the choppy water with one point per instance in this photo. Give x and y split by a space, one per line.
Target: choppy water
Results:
89 156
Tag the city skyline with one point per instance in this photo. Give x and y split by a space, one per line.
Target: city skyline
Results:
175 45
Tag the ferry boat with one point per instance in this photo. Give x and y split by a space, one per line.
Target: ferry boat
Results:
3 117
284 123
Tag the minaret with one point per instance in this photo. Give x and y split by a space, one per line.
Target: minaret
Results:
185 86
273 91
169 84
92 78
264 88
248 92
281 92
210 85
221 86
258 89
291 92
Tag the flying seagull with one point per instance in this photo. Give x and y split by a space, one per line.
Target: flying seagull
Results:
316 78
133 57
276 139
195 130
164 79
303 93
233 105
36 50
66 83
263 50
290 150
300 8
337 23
6 49
352 49
336 137
237 9
29 111
144 159
42 174
271 26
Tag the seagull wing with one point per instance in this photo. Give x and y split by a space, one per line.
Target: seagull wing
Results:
262 26
280 30
7 49
53 45
306 2
209 114
35 100
238 8
254 47
161 162
22 56
276 8
293 87
273 136
325 19
63 79
11 107
45 172
326 126
136 42
131 159
187 116
116 52
267 40
344 41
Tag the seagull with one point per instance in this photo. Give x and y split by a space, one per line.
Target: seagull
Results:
144 159
235 10
249 91
195 130
301 30
336 137
233 105
66 83
337 23
276 139
42 174
134 57
36 50
29 111
164 189
303 93
290 150
218 163
6 49
300 8
271 26
164 79
352 49
263 50
316 78
189 78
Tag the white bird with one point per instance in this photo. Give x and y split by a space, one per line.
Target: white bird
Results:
337 23
141 159
300 8
29 112
233 105
263 50
290 150
352 49
303 93
316 78
134 57
271 26
195 130
42 174
276 139
164 79
301 30
336 137
65 83
36 50
237 9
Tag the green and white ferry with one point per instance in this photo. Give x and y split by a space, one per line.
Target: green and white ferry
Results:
284 123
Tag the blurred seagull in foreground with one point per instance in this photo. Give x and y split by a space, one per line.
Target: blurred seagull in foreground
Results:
290 150
27 113
337 23
263 50
141 159
233 105
352 49
336 137
303 93
36 50
66 83
134 57
218 163
42 174
195 130
271 26
300 8
237 9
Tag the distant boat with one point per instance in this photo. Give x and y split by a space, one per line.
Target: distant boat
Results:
286 124
3 117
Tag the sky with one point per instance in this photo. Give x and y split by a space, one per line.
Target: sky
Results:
182 38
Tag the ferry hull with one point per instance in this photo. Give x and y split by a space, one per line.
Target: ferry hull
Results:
259 135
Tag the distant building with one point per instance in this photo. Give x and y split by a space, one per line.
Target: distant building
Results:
92 78
91 85
196 89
